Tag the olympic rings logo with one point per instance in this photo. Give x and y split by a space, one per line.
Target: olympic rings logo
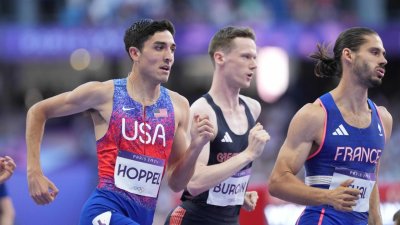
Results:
138 189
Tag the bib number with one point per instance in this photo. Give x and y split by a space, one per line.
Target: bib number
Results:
231 191
363 181
138 174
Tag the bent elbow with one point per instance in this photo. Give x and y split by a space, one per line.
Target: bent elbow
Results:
273 187
174 187
31 110
37 111
194 189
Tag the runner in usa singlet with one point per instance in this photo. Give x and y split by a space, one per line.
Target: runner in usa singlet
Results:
346 152
132 158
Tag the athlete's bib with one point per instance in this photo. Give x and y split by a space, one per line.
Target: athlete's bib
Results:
231 191
138 174
363 181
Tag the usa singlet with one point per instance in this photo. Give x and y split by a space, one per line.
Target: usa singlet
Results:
346 152
221 204
132 157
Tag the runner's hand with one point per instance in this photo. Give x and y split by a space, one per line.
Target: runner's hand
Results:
250 200
202 131
344 198
41 189
258 137
7 166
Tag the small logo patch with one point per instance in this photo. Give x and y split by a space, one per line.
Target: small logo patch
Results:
227 138
340 131
102 219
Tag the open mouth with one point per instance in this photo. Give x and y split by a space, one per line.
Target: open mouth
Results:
165 68
381 72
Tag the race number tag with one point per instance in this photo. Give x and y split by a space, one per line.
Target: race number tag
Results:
363 181
231 191
138 174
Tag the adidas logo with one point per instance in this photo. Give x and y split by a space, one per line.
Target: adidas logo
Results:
340 131
227 138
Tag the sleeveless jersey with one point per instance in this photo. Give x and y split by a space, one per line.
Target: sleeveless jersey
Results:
346 152
225 145
132 155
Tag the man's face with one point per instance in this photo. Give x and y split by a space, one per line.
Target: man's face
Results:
157 56
241 62
370 61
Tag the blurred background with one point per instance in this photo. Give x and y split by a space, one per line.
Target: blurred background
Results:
51 46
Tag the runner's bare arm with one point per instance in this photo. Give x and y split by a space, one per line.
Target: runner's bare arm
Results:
184 154
92 95
305 130
375 217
